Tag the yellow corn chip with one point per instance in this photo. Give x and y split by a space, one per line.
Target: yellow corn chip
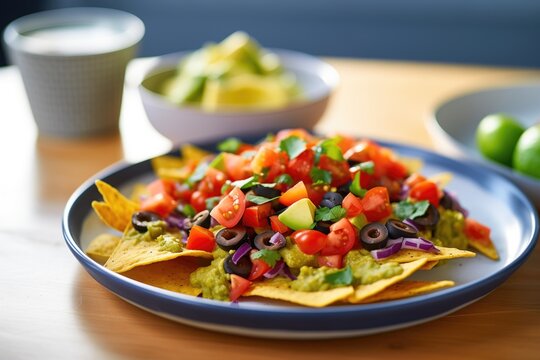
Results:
131 253
407 288
406 255
101 247
107 215
278 289
487 249
138 192
364 291
429 265
116 211
193 153
170 275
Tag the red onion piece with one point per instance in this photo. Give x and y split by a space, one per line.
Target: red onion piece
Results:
276 270
278 239
288 272
391 242
419 244
244 249
411 223
175 220
386 252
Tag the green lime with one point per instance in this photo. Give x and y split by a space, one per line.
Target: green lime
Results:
496 137
527 152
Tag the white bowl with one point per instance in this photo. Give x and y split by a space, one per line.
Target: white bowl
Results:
189 123
453 126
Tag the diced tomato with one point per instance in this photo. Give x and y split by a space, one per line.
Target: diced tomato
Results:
309 241
413 179
333 261
477 231
259 267
300 167
297 192
277 225
237 167
200 238
341 239
239 286
315 193
263 159
301 133
376 204
166 186
396 170
183 192
198 200
228 212
257 216
425 190
352 204
212 182
160 203
345 142
338 169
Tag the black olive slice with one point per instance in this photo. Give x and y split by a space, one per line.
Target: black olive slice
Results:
323 226
262 241
231 238
241 268
331 199
202 219
446 201
398 229
265 191
430 218
374 236
141 219
344 189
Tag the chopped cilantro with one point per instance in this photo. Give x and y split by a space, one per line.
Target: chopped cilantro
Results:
410 210
355 186
367 166
330 148
198 174
320 177
218 162
246 183
211 202
188 210
259 200
340 277
230 145
334 214
293 146
268 256
284 179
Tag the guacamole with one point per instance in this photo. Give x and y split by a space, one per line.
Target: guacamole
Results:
155 229
365 270
449 231
295 258
212 279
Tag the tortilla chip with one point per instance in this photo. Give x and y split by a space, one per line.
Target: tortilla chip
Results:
107 215
407 288
170 275
139 191
429 265
101 247
364 291
485 247
406 255
193 153
131 253
278 289
116 211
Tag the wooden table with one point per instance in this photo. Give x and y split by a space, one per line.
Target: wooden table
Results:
50 308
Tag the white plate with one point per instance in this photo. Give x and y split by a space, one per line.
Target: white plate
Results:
453 125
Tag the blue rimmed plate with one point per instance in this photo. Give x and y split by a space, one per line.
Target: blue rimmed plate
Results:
489 197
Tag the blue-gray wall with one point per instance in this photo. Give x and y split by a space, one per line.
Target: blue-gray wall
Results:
493 32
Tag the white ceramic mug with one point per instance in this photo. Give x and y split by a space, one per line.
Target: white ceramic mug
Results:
72 62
